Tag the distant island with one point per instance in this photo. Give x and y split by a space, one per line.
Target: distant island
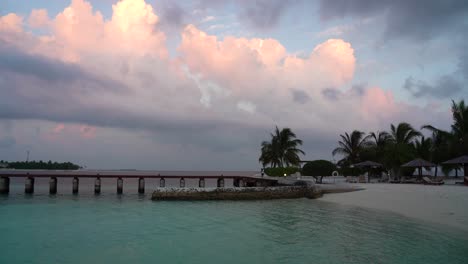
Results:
38 165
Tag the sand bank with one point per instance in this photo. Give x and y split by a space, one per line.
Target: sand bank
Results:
447 204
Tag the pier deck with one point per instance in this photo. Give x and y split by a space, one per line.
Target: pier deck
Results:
240 178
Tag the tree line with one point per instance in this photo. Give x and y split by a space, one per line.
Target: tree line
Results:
40 165
392 148
403 143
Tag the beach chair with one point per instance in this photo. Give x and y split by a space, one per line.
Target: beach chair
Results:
362 179
350 179
428 181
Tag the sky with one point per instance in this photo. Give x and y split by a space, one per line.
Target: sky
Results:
198 85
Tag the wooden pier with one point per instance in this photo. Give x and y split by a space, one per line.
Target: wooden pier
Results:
240 179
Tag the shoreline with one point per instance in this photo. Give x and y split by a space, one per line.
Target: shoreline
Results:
445 204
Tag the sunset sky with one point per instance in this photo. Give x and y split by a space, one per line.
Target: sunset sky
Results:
199 84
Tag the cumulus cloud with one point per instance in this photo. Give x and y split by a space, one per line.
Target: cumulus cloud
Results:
219 94
38 18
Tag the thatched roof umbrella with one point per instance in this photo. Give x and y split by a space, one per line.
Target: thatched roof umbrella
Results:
463 160
419 163
368 164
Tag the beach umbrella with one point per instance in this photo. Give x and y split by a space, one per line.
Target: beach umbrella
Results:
463 160
368 164
419 163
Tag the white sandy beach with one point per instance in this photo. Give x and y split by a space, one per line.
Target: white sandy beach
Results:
446 204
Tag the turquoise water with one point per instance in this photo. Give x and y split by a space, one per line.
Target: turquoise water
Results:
132 229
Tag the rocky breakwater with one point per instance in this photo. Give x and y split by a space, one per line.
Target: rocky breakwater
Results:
247 193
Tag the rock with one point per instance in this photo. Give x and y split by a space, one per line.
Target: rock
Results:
249 193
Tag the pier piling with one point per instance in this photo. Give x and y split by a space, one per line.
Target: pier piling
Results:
76 183
182 183
4 185
141 185
97 185
201 183
119 185
220 183
53 185
29 185
162 183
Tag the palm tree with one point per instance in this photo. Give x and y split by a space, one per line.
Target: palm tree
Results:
401 148
440 144
404 133
377 143
424 148
460 128
283 149
351 147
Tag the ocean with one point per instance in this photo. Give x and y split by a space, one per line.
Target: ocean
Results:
130 228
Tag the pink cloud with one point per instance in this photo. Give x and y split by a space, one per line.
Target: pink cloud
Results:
79 31
11 23
132 29
38 18
59 128
377 103
249 67
245 80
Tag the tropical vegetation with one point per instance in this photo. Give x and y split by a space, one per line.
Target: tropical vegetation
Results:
282 150
318 169
39 165
403 143
392 148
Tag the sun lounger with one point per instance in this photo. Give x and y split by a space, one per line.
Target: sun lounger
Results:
411 180
428 181
351 179
362 179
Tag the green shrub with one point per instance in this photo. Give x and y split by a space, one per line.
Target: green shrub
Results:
278 172
318 169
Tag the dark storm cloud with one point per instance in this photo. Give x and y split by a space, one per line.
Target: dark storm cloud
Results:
173 14
445 87
13 61
264 14
38 88
358 90
417 19
331 94
300 96
258 14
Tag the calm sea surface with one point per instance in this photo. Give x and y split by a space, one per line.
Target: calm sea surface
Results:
132 229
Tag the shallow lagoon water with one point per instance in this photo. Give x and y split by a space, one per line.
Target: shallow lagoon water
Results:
132 229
